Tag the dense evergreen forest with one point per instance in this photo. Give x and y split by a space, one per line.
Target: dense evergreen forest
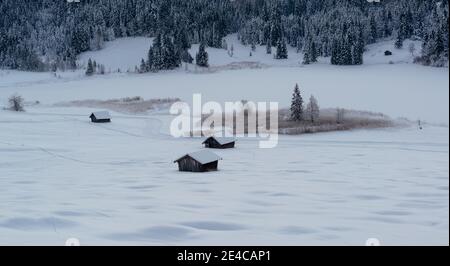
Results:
43 35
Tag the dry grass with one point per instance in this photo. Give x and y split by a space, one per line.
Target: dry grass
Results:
133 105
230 66
327 122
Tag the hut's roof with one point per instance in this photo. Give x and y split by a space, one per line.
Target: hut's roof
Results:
102 115
222 141
202 157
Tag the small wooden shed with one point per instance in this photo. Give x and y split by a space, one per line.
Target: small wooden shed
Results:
387 53
219 143
100 117
201 161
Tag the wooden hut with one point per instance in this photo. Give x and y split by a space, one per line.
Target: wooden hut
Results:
201 161
387 53
100 117
219 143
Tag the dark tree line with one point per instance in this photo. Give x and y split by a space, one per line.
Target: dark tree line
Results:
42 35
341 29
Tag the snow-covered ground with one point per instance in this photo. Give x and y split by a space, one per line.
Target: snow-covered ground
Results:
399 90
126 54
123 54
61 176
411 91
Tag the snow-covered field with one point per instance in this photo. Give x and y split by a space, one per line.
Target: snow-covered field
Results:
398 90
61 176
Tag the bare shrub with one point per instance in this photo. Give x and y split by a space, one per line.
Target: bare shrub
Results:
16 103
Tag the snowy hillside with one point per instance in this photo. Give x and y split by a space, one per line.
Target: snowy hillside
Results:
375 52
126 53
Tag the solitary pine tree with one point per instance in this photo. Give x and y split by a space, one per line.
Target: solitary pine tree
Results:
90 68
297 105
201 58
143 68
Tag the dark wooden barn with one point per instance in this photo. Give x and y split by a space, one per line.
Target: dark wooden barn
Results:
387 53
100 117
219 143
201 161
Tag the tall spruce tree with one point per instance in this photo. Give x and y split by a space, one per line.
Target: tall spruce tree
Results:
269 47
143 67
306 58
202 57
297 111
373 36
90 68
313 52
282 52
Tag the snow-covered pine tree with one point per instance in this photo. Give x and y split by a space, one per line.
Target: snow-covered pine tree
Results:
399 42
186 57
297 110
171 58
306 58
90 68
183 44
202 58
313 52
143 67
150 63
275 23
358 49
373 36
281 52
157 54
335 52
268 48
